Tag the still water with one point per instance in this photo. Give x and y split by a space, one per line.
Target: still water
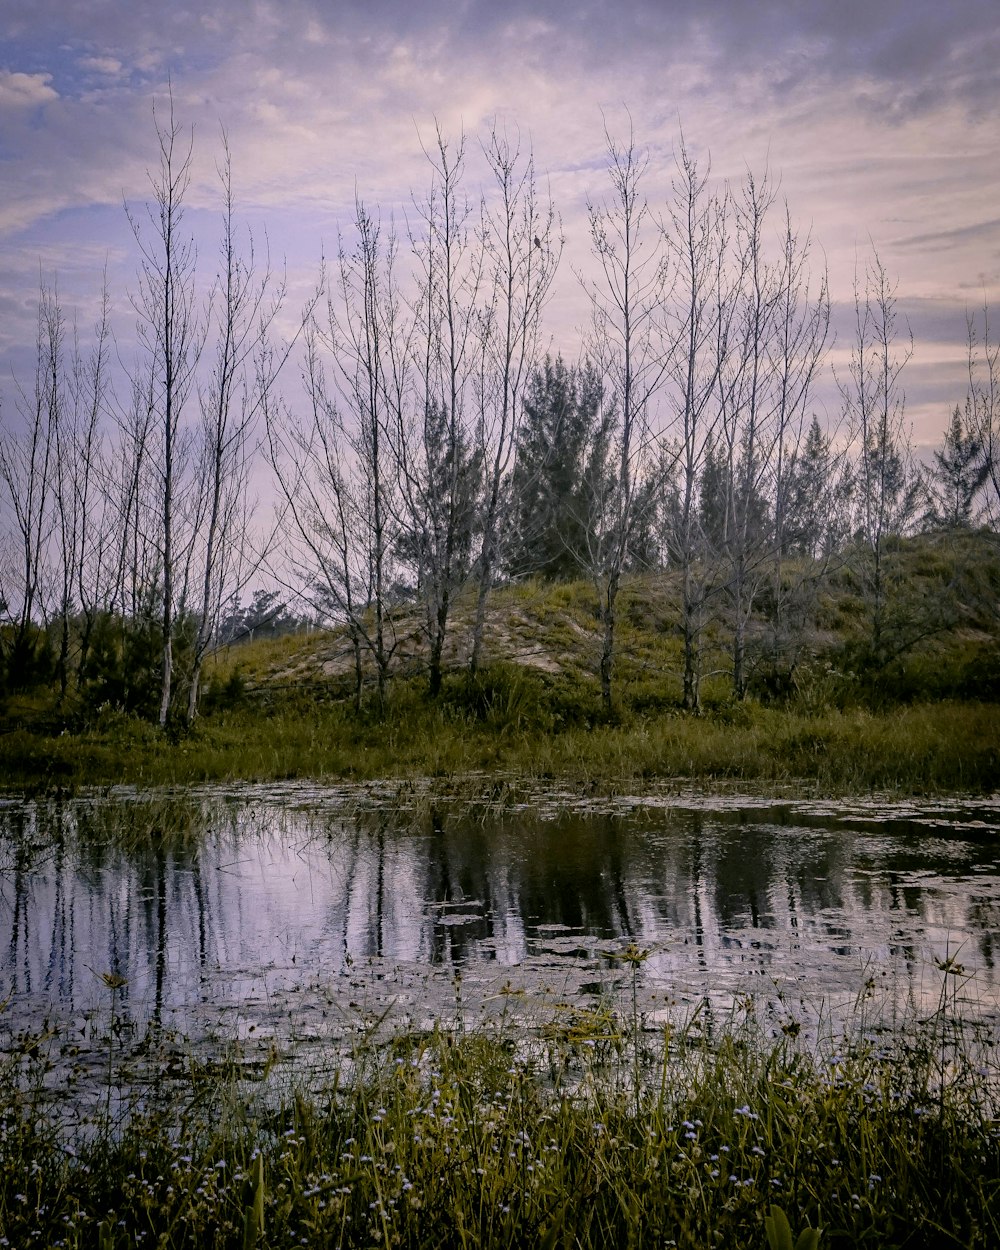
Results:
300 913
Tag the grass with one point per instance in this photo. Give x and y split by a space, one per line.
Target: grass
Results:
929 723
478 1138
917 749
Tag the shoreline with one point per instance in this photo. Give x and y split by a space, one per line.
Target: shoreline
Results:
928 749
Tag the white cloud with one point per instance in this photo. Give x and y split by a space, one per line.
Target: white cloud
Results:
108 66
25 91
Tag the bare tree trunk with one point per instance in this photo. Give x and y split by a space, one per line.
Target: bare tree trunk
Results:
802 330
628 346
701 317
983 405
170 334
26 467
691 634
606 666
93 502
245 305
369 345
523 247
874 406
437 459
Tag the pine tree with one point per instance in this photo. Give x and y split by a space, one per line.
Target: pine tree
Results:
808 498
446 534
957 477
559 484
713 492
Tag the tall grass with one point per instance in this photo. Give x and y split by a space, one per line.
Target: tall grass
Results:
476 1139
503 727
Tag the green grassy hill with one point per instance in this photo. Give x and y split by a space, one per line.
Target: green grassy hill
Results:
942 629
822 714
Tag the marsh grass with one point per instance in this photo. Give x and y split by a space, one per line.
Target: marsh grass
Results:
518 724
479 1137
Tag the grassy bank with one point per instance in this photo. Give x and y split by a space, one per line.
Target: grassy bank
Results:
918 749
466 1140
826 720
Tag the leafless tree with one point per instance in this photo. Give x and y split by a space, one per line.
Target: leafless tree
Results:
699 319
97 531
796 355
368 335
435 441
326 528
133 490
522 243
874 404
171 336
336 467
627 344
747 414
26 474
777 342
242 310
983 404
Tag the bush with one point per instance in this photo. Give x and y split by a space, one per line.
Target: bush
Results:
221 696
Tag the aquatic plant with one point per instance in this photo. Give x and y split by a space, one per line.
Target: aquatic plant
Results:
485 1138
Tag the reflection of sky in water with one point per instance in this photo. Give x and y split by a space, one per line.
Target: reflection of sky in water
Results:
293 910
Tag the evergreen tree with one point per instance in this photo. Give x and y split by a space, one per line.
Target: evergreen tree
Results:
807 518
713 493
449 524
731 504
957 477
560 482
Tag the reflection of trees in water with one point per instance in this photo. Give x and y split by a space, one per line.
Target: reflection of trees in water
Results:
984 918
502 878
102 902
171 913
35 843
574 872
18 887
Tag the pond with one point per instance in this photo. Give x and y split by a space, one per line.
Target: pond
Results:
292 917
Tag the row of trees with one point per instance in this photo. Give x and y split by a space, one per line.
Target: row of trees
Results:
421 442
126 484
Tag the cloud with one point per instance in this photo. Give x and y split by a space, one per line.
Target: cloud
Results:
879 119
109 66
25 91
981 233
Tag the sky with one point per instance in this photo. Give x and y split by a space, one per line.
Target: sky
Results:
881 118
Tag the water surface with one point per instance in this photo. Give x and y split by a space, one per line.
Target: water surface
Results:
301 914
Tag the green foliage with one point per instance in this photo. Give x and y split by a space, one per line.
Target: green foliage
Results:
779 1233
123 666
536 726
959 472
543 716
501 696
561 477
227 693
596 1134
26 659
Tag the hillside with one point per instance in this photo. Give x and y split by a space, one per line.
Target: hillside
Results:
823 715
942 628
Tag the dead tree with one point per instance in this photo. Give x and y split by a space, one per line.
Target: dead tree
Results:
241 312
699 317
435 441
627 343
522 245
171 336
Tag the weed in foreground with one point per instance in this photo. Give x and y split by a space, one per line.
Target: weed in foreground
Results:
474 1139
